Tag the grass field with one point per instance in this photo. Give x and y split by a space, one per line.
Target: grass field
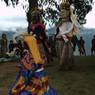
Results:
79 81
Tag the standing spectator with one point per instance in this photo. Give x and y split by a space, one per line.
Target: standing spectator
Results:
74 41
81 46
59 43
4 42
52 45
11 46
93 46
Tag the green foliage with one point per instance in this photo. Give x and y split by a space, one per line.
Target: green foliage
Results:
83 7
14 2
51 8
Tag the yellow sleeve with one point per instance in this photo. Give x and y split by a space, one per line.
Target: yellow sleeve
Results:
32 44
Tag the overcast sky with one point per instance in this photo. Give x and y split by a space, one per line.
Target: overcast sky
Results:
11 18
91 18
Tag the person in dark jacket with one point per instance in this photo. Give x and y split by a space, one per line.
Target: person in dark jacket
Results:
81 46
3 43
11 46
93 46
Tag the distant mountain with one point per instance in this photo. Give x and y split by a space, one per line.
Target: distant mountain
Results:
82 30
9 34
86 33
51 31
87 30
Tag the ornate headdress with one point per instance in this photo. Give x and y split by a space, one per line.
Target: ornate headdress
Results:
65 10
35 11
36 14
65 5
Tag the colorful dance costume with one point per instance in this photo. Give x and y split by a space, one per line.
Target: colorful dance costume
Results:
32 78
39 30
68 27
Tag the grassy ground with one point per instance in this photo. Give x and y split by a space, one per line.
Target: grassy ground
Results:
79 81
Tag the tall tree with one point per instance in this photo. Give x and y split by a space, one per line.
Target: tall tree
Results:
51 9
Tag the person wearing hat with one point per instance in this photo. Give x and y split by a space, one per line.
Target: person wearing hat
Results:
37 27
68 27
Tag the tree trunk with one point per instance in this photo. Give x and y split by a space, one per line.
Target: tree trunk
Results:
32 5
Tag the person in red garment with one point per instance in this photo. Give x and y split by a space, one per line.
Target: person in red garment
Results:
37 27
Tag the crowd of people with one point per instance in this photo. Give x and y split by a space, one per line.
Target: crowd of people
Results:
77 43
7 46
80 43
